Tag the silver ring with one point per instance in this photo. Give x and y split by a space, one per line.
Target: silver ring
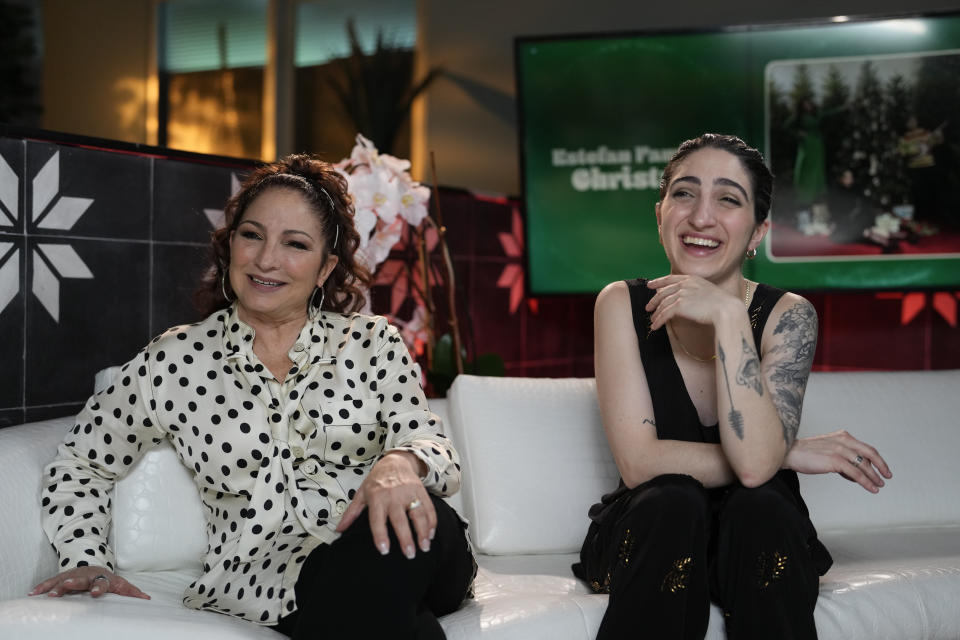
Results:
857 461
100 577
413 505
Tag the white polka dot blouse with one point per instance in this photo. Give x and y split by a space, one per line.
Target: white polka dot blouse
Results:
276 463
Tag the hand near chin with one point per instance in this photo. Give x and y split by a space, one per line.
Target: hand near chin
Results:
688 297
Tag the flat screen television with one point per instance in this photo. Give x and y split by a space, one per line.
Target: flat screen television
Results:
859 121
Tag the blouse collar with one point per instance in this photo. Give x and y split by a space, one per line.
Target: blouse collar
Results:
308 349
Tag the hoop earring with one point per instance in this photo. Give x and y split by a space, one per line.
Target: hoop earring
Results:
336 238
315 310
223 286
751 254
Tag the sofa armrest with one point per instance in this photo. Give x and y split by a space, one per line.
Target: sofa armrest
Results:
28 557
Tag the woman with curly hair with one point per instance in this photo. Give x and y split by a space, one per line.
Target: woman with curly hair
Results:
304 424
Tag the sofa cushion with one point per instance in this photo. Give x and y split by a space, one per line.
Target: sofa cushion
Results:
81 617
914 430
534 458
158 520
26 556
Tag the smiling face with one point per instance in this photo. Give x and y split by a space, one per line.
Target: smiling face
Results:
706 217
277 257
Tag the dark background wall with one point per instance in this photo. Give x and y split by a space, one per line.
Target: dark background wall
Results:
99 250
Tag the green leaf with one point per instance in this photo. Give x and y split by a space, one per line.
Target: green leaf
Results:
487 364
443 357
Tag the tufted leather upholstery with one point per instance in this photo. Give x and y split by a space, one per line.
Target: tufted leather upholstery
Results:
534 457
897 554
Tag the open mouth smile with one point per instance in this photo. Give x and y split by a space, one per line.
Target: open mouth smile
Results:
265 283
700 242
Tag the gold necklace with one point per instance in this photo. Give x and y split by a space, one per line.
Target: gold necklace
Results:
697 358
746 303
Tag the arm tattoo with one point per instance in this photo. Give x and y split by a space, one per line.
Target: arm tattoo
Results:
748 375
793 357
734 417
648 421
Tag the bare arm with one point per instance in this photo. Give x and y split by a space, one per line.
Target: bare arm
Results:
627 409
788 359
758 404
767 394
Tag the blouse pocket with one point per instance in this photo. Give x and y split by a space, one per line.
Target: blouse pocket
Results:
354 435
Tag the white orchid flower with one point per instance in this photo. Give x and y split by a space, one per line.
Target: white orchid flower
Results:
378 247
413 203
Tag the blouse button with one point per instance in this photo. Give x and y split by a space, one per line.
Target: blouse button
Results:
297 452
298 347
310 467
341 507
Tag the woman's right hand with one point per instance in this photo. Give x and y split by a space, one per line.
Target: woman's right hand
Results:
839 452
96 580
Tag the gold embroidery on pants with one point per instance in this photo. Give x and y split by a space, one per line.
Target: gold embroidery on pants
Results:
770 566
676 578
626 548
601 587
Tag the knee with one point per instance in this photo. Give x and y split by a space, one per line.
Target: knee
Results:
766 507
670 500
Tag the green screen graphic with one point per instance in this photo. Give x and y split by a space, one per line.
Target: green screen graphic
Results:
600 117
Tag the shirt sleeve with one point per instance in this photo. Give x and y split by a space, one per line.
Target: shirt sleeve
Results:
410 424
112 431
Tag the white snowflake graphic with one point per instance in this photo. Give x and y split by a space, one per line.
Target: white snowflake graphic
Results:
9 260
216 217
51 262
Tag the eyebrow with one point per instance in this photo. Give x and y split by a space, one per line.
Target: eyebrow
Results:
285 231
724 181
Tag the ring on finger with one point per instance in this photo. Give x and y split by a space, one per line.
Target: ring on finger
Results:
100 577
857 461
414 504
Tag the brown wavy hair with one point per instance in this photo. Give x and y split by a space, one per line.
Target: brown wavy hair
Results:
321 186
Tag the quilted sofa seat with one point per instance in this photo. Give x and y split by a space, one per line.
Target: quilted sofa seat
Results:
535 458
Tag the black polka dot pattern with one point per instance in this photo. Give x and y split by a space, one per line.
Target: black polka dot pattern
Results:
276 463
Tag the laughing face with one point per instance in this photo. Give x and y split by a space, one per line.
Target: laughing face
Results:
706 218
277 256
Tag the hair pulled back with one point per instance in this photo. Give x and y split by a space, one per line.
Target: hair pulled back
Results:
761 179
323 187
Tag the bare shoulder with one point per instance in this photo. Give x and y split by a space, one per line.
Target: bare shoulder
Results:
614 296
613 314
793 318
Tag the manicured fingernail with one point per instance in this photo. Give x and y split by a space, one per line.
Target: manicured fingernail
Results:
68 580
425 545
53 593
410 552
433 532
384 548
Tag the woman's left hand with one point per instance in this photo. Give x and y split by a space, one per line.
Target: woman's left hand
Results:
393 491
842 453
689 297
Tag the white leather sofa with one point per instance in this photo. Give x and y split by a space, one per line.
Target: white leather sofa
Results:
535 458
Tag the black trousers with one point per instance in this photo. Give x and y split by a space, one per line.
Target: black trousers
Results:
348 590
669 547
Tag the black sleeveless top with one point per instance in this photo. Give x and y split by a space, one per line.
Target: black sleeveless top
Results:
673 410
676 416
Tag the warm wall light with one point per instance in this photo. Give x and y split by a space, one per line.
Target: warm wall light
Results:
841 18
